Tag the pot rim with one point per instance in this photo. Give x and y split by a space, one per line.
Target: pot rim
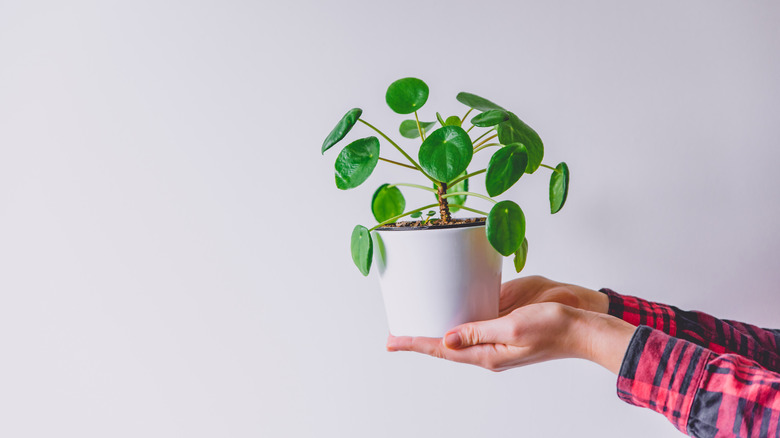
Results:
437 226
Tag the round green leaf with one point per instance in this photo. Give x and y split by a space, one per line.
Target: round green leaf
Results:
490 118
409 129
407 95
356 162
462 186
521 255
387 202
515 130
452 121
416 214
476 102
506 166
506 227
342 128
446 153
559 187
362 248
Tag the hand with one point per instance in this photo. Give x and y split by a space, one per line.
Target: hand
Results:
530 290
532 333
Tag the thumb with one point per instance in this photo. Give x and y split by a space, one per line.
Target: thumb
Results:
492 331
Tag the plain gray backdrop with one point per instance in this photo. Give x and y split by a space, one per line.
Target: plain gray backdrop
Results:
174 252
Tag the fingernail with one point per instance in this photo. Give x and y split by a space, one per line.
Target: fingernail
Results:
452 340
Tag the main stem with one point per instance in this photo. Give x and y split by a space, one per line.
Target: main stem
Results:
444 208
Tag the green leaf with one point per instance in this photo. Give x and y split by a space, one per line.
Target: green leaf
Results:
559 187
430 213
387 202
506 166
409 129
356 162
521 255
407 95
462 186
342 128
490 118
506 227
446 153
476 102
452 121
362 248
438 117
515 130
416 214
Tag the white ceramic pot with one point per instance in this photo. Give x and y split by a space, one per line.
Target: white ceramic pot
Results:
433 279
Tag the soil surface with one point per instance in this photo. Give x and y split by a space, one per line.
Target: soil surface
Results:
434 223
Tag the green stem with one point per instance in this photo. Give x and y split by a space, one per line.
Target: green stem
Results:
484 134
469 209
470 194
396 162
479 148
417 186
417 166
469 175
469 130
393 219
419 128
551 168
464 117
486 140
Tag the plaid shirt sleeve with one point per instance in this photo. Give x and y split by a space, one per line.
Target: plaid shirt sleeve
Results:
703 393
717 335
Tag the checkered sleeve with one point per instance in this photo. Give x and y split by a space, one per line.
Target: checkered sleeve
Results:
718 335
703 393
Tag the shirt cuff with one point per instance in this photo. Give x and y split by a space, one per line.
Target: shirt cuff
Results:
662 373
637 311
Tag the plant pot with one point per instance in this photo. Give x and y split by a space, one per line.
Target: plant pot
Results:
435 278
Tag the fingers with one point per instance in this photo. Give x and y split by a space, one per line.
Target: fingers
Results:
488 356
493 331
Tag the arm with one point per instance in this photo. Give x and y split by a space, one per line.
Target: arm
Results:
719 336
700 392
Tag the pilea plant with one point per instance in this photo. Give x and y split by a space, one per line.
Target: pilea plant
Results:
443 158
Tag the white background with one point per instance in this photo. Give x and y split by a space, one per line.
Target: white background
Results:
174 253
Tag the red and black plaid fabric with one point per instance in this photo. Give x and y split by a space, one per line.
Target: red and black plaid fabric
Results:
709 377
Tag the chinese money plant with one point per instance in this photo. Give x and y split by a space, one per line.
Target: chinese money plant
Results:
445 152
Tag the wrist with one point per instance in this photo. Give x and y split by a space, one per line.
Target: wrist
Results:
602 339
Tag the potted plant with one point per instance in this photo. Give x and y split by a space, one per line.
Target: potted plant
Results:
438 272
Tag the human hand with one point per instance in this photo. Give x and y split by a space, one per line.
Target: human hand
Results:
536 289
532 333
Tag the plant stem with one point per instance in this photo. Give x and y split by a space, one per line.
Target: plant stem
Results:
469 130
395 218
484 134
419 129
417 166
486 140
468 208
483 146
551 168
444 208
417 186
469 175
467 114
470 194
396 162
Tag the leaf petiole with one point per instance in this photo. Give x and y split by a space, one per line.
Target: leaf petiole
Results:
396 162
473 210
417 186
457 180
411 160
470 194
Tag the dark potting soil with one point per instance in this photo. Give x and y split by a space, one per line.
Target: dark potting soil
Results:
433 224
